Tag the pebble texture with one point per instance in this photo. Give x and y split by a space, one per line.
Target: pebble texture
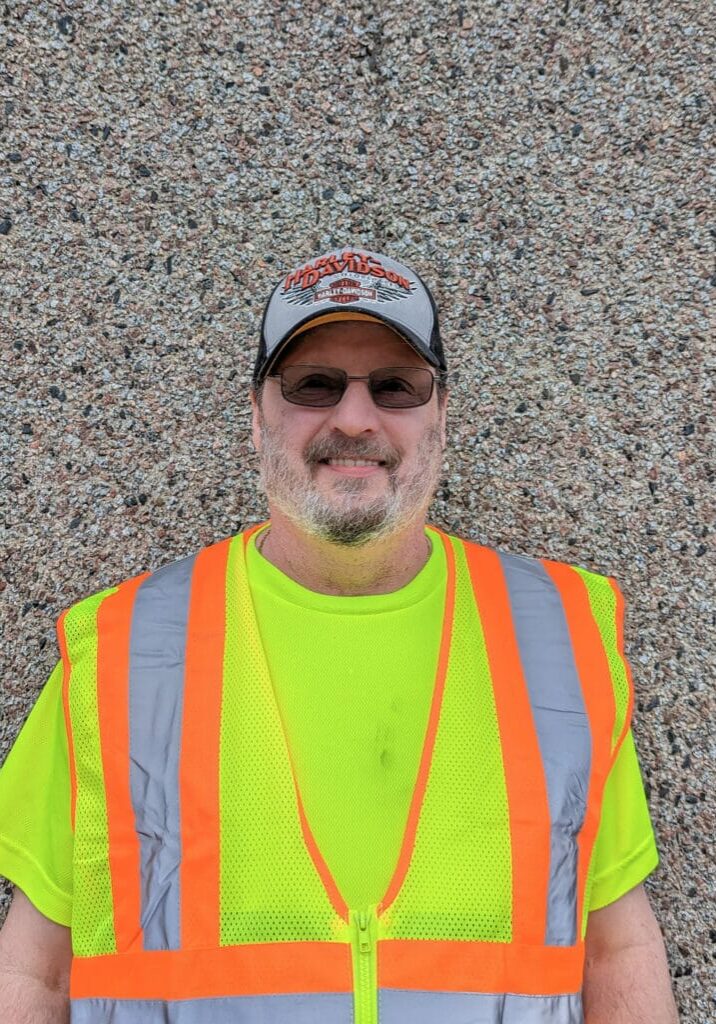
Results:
547 167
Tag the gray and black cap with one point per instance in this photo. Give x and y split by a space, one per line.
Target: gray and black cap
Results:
349 284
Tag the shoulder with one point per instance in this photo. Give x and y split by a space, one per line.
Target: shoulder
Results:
163 582
541 570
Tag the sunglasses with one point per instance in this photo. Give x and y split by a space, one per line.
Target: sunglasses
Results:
391 387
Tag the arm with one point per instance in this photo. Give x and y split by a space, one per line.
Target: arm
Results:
626 976
35 957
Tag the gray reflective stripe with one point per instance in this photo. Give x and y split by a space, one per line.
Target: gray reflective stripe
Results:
156 697
562 728
396 1006
312 1008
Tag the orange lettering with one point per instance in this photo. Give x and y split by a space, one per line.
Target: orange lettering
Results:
309 277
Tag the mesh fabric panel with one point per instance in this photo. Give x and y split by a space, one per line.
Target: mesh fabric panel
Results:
270 889
459 883
603 603
92 906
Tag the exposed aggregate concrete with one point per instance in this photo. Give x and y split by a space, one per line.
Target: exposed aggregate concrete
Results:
548 169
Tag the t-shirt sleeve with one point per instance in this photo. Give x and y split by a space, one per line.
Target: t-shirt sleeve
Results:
36 840
625 849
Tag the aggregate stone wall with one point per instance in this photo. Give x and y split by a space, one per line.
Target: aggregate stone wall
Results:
545 166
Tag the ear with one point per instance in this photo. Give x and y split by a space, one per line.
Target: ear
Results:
255 420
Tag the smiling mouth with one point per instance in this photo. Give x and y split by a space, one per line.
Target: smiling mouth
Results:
352 462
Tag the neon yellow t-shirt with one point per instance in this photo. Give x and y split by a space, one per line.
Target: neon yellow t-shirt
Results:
380 651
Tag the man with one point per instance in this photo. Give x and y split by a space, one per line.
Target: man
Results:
343 767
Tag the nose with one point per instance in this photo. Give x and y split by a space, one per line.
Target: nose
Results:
356 413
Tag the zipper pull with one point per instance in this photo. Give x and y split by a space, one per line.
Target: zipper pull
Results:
364 937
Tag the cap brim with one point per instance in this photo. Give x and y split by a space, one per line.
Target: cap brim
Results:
336 316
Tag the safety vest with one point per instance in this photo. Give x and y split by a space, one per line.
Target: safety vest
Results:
200 895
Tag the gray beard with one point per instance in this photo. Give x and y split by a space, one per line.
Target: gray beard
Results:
349 521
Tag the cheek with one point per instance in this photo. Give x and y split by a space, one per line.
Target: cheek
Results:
297 432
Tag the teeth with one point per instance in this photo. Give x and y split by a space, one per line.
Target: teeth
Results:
353 462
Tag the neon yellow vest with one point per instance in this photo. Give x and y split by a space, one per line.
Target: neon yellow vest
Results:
198 885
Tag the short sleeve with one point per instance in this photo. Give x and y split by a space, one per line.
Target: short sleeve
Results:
625 849
36 841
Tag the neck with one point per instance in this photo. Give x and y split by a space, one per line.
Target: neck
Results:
377 567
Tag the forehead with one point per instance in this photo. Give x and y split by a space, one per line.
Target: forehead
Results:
353 344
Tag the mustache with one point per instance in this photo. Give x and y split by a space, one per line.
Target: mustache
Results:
348 448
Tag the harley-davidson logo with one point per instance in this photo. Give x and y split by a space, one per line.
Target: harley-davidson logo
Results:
368 279
348 262
344 291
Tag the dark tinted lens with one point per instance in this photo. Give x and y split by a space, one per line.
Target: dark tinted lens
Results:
401 387
312 385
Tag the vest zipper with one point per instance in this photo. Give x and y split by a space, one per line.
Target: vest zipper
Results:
365 975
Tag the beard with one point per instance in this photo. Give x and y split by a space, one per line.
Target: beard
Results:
345 515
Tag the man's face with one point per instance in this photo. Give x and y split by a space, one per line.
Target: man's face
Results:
299 446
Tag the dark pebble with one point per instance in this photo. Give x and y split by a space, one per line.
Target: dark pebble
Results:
689 429
589 291
65 25
15 158
522 407
576 130
5 225
653 703
74 523
575 377
27 429
354 207
328 193
143 171
264 90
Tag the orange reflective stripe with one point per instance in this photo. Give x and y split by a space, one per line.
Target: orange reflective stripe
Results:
592 667
199 802
66 674
480 967
524 773
406 851
114 620
619 614
257 969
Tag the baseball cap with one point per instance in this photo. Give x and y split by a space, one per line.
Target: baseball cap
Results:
349 284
